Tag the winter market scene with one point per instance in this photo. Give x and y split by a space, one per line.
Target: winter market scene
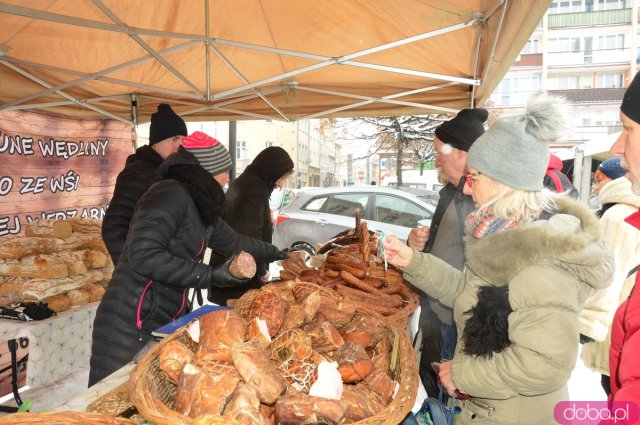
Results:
371 212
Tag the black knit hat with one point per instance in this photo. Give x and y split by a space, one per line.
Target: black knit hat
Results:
631 100
165 124
461 131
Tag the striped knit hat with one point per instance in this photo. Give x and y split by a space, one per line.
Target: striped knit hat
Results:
210 153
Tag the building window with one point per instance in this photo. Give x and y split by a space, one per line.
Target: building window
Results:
611 4
241 149
610 81
611 42
531 47
269 143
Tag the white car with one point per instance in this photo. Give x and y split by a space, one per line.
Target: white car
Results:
315 216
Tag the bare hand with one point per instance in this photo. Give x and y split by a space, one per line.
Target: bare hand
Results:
418 238
396 252
265 278
445 377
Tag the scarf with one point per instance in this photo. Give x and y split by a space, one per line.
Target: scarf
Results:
484 222
204 189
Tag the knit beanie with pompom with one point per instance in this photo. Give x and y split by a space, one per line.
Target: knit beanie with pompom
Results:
515 149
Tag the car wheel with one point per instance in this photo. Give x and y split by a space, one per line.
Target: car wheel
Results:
303 247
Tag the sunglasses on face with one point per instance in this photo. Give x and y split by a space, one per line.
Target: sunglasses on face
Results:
471 178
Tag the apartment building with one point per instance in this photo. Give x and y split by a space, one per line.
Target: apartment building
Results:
588 52
585 50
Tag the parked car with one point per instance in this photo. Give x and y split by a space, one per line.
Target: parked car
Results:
279 199
431 197
317 215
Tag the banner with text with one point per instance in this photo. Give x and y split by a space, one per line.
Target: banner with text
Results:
56 167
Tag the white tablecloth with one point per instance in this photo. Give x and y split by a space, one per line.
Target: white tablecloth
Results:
58 346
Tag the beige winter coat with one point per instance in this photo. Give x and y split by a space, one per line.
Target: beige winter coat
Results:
550 266
624 239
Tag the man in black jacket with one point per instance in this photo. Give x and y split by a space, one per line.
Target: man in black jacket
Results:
444 238
140 172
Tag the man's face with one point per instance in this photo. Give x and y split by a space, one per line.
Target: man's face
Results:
450 160
168 146
628 147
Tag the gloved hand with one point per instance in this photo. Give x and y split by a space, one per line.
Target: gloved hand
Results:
283 254
221 277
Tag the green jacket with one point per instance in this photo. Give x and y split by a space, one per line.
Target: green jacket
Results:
550 265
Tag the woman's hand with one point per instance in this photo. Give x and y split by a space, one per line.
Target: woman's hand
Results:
396 252
445 377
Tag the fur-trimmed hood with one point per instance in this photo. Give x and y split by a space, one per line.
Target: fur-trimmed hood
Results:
619 191
570 239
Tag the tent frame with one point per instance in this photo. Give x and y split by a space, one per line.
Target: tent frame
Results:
204 101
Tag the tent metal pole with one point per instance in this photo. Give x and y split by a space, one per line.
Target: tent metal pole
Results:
476 62
347 58
148 48
244 80
60 92
93 76
505 3
206 50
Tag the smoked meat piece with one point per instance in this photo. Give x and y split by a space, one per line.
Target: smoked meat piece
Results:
219 330
244 406
205 388
298 409
243 266
255 367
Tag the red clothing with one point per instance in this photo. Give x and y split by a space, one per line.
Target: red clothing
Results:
624 354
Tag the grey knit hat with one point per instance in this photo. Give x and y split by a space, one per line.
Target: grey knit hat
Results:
515 149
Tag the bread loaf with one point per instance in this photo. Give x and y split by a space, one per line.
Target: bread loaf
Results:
58 303
39 289
85 225
39 266
83 259
10 290
95 292
49 229
78 297
76 242
20 246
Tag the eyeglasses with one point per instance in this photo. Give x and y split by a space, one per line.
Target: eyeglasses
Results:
471 177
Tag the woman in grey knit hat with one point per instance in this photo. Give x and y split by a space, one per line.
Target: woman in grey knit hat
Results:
532 258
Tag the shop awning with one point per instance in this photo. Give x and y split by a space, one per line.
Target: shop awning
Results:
257 59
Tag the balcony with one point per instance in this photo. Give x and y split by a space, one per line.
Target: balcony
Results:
589 19
601 95
533 59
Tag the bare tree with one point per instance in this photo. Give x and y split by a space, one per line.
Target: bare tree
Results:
404 136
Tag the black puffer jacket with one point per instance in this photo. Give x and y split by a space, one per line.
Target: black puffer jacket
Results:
139 173
161 259
247 209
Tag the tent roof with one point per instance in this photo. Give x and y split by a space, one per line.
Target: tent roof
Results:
258 59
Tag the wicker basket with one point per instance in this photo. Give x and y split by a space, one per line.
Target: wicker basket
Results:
63 418
153 394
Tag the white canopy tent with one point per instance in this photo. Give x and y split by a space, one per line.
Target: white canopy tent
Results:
257 59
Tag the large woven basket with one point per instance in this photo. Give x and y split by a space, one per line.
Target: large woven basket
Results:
153 394
63 418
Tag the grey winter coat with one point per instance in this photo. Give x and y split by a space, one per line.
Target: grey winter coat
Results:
550 266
